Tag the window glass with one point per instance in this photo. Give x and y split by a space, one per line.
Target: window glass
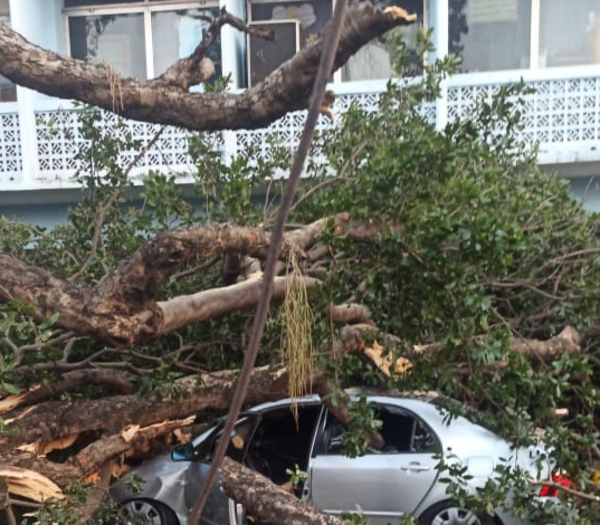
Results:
85 3
490 34
401 433
8 91
117 39
295 24
175 35
372 61
577 41
313 15
238 441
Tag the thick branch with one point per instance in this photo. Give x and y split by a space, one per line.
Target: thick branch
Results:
122 309
56 420
99 452
156 101
185 310
113 379
267 501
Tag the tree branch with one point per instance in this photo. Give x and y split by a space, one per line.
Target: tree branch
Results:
156 101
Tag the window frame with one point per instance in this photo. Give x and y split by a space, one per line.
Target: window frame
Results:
337 76
534 45
320 448
146 8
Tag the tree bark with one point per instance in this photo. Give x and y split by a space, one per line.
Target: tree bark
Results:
267 501
55 420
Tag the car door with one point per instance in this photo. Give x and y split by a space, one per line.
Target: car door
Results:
282 440
219 509
384 484
280 443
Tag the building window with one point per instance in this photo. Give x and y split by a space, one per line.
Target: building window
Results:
295 23
578 40
312 15
139 39
8 91
372 61
490 34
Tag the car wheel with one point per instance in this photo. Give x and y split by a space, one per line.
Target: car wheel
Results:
146 512
448 514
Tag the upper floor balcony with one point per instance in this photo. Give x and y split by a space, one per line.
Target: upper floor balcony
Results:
500 41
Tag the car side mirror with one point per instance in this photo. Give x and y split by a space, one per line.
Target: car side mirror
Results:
183 452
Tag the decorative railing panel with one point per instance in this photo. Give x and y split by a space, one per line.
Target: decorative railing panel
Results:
559 111
562 115
59 139
289 127
11 162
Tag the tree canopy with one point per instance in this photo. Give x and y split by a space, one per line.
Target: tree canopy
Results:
414 259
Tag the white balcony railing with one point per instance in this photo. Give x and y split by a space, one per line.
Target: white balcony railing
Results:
562 115
11 162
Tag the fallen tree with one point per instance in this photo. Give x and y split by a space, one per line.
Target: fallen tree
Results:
420 259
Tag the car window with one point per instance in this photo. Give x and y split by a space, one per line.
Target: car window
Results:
402 432
238 441
282 441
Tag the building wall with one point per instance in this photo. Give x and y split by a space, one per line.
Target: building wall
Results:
563 115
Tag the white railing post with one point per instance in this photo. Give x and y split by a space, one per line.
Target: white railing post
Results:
233 49
20 15
438 18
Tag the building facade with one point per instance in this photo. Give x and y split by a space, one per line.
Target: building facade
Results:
554 45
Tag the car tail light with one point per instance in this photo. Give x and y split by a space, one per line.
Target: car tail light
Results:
559 477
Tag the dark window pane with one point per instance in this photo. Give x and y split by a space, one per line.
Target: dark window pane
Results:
175 35
115 39
266 56
8 91
490 34
96 3
578 41
312 15
372 61
282 441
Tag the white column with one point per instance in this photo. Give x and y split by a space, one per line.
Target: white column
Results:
233 44
40 23
233 53
20 15
534 44
438 17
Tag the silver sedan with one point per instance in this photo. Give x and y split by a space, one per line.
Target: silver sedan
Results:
402 478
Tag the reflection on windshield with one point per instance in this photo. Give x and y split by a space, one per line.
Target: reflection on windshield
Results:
237 442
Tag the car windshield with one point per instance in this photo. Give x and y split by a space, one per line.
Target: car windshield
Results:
237 441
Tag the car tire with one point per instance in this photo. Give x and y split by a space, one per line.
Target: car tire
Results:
447 513
147 512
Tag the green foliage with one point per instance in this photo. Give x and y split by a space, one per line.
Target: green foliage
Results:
63 511
355 518
296 476
362 427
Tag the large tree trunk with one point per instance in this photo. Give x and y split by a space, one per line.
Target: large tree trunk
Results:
269 502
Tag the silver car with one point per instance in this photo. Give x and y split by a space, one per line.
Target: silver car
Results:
385 484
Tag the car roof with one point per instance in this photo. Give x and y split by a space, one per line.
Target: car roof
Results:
457 433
